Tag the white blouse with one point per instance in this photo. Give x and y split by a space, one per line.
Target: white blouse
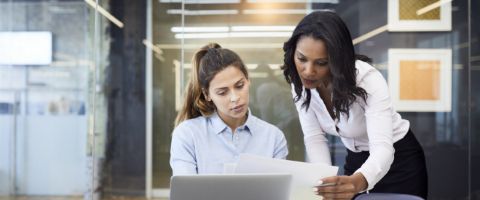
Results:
373 126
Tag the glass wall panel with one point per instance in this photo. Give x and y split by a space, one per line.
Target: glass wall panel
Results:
166 61
442 127
159 47
251 29
44 62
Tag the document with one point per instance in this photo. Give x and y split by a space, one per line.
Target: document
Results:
304 175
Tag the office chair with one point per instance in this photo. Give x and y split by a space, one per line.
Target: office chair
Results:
387 196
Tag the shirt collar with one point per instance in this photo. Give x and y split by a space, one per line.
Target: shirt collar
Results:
219 125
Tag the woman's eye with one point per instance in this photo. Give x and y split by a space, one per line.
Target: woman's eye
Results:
240 86
322 63
221 93
301 59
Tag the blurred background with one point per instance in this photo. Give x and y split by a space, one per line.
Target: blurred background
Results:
89 89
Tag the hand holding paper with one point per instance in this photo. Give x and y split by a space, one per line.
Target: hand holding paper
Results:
304 175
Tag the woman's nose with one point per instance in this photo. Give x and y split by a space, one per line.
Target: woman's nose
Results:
308 70
234 97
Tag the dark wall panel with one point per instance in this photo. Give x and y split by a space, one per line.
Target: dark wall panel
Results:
125 160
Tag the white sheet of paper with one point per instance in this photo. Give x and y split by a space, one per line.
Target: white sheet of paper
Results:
304 175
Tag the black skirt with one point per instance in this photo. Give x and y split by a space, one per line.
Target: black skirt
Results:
407 174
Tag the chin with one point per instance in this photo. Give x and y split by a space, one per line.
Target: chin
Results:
238 115
309 86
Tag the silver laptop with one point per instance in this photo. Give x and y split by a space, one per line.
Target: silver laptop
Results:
231 187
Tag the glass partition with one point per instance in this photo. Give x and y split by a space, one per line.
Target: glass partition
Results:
44 63
257 29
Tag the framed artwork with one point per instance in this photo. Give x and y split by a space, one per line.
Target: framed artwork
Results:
420 80
419 15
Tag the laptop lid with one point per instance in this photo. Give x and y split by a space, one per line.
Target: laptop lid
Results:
231 187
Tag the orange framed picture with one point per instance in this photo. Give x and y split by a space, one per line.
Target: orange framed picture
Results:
420 80
419 15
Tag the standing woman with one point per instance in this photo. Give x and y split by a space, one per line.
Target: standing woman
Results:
215 125
339 93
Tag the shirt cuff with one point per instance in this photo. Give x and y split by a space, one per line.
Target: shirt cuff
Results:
370 175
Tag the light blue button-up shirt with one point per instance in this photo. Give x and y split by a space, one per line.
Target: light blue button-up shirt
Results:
204 144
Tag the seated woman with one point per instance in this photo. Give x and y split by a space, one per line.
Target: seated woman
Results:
215 125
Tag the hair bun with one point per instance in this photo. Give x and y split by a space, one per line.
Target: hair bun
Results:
212 46
204 50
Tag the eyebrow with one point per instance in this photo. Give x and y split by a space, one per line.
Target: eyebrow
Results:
224 88
301 54
239 80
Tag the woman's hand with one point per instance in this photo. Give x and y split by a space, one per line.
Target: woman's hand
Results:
344 187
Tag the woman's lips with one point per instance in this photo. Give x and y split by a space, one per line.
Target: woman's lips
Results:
238 108
309 81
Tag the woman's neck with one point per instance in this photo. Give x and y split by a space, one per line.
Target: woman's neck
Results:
326 86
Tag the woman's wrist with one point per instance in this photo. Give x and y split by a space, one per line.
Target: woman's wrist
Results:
360 182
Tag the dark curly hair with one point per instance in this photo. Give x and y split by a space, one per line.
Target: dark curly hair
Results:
328 27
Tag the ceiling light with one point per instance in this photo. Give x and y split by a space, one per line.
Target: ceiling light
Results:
201 1
293 1
201 12
199 29
232 35
260 34
263 28
276 11
200 35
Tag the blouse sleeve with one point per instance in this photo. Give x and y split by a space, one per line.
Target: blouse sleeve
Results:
281 148
378 114
314 137
182 152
